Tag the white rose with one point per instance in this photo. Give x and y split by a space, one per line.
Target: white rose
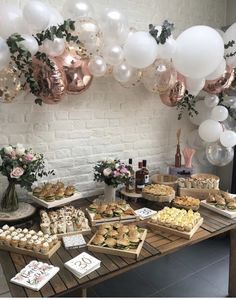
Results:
20 150
8 149
107 172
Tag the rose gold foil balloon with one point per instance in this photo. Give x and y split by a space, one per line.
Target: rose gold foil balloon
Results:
160 76
52 81
219 85
76 70
176 93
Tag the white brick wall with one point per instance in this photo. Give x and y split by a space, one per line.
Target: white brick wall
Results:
108 120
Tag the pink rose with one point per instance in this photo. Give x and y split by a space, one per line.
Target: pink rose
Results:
16 172
29 156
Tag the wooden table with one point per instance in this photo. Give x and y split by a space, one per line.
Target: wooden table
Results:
157 244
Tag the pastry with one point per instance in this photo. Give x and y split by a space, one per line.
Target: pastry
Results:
158 190
45 227
69 226
15 241
36 246
5 227
2 237
54 239
8 239
187 202
40 234
22 242
32 232
12 228
53 228
14 233
61 227
29 244
211 199
45 248
28 236
20 235
50 242
25 231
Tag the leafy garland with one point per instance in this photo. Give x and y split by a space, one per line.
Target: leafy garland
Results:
165 33
187 102
23 58
229 45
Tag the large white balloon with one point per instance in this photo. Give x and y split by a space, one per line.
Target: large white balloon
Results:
30 44
210 130
140 50
76 9
168 49
54 48
114 26
219 113
97 66
113 54
219 155
37 14
228 138
199 51
123 72
194 85
11 20
211 100
55 17
4 54
203 113
218 72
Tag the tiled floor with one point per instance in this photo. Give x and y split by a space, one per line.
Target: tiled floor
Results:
197 271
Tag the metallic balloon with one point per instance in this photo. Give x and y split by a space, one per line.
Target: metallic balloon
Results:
10 84
219 155
75 66
219 85
52 81
174 94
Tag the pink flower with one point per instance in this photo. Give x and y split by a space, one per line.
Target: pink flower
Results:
116 173
13 153
29 156
107 172
16 172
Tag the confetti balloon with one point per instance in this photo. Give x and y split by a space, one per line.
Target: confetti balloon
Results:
10 84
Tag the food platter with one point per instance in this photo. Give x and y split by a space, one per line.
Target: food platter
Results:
227 213
158 193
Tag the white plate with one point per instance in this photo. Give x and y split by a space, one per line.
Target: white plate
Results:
227 213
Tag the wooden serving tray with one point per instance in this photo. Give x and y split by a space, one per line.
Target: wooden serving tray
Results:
84 232
197 193
156 198
131 253
31 252
55 203
227 213
122 219
184 234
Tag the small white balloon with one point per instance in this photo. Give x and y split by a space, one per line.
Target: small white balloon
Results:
77 9
203 113
218 72
123 72
97 66
210 131
229 100
4 54
30 44
219 113
194 85
167 50
140 50
113 54
55 17
228 138
211 100
36 14
54 48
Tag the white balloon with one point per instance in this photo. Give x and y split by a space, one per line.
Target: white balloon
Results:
211 100
218 72
97 66
140 50
54 48
76 9
11 20
194 85
30 44
194 141
55 17
228 138
114 26
168 49
37 14
123 72
219 113
210 131
113 54
221 32
199 51
203 113
4 54
229 100
201 157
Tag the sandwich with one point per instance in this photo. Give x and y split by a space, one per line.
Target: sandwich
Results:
70 190
232 205
122 244
112 233
110 242
117 225
59 194
101 208
102 231
98 240
108 213
36 191
124 229
93 207
211 199
49 196
118 212
220 202
133 242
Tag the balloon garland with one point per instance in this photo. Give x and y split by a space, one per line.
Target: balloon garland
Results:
54 55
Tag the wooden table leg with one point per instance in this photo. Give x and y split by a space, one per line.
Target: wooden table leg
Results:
82 293
232 264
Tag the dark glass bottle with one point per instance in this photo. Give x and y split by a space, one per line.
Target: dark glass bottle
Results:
130 185
139 179
178 157
146 172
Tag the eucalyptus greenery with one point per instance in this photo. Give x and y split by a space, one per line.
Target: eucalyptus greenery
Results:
164 34
23 58
188 103
229 45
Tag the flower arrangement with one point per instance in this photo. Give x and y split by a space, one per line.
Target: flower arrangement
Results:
20 166
112 172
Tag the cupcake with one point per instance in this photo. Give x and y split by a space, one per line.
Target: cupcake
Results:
45 248
12 228
7 232
29 244
14 233
8 240
18 230
54 239
34 238
1 231
46 236
2 237
25 231
32 232
22 242
50 242
21 235
15 241
37 246
69 226
28 236
40 234
5 227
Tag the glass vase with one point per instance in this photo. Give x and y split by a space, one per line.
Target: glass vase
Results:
10 199
109 193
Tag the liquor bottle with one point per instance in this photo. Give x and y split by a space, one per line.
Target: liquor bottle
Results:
146 172
178 157
139 179
130 185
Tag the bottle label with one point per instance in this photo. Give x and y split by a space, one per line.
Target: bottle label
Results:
139 186
146 179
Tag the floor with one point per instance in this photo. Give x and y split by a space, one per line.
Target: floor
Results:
197 271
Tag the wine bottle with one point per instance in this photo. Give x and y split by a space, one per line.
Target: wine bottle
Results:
130 185
146 172
139 179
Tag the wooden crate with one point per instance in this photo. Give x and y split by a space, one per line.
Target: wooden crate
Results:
56 203
197 193
156 198
184 234
31 252
122 219
84 232
131 253
227 213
